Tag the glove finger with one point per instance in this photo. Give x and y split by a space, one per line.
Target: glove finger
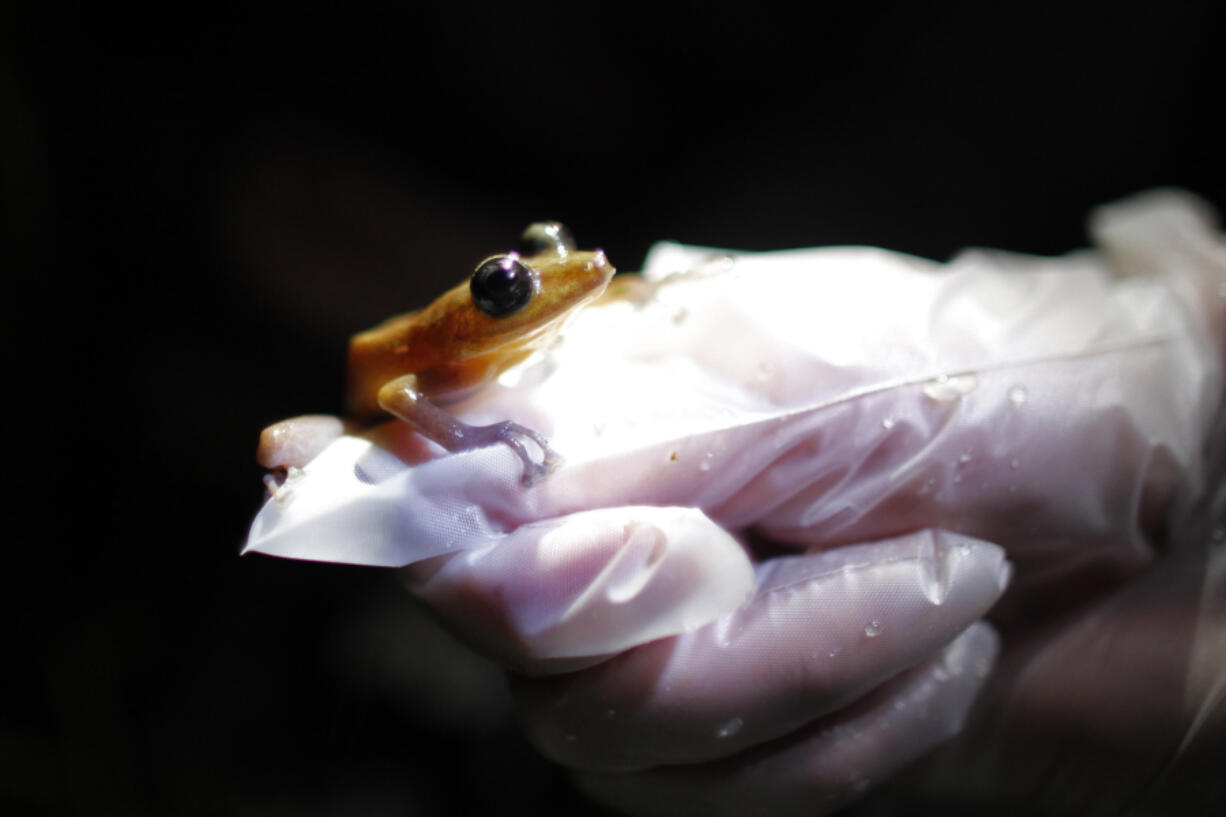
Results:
1119 707
820 768
821 630
568 592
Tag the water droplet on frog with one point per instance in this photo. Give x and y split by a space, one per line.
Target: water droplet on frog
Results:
888 423
873 628
940 673
730 728
834 651
707 459
1018 396
965 548
947 388
965 457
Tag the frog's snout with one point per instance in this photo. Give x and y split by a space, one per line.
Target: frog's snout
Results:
600 265
568 281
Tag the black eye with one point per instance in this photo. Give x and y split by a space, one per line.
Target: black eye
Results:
501 286
546 236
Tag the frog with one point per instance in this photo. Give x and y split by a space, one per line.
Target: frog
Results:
412 365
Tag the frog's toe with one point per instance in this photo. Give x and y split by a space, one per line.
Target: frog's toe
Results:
513 435
552 460
533 473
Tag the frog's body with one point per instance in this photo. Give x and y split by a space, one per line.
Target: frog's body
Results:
513 305
453 347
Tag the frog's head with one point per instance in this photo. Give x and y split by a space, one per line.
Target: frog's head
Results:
528 291
513 304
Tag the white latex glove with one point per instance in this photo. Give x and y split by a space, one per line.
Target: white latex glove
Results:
840 411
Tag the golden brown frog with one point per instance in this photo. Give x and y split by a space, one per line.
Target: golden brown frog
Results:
407 366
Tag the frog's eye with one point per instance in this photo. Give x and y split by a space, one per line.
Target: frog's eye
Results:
546 236
501 286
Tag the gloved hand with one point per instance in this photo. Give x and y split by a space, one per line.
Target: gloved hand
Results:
1109 697
756 582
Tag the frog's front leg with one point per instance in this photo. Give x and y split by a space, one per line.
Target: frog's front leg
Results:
402 398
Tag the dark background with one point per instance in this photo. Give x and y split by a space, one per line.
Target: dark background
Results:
203 204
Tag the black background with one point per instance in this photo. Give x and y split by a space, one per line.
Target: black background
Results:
204 203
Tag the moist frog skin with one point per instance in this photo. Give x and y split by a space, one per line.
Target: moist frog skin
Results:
410 365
